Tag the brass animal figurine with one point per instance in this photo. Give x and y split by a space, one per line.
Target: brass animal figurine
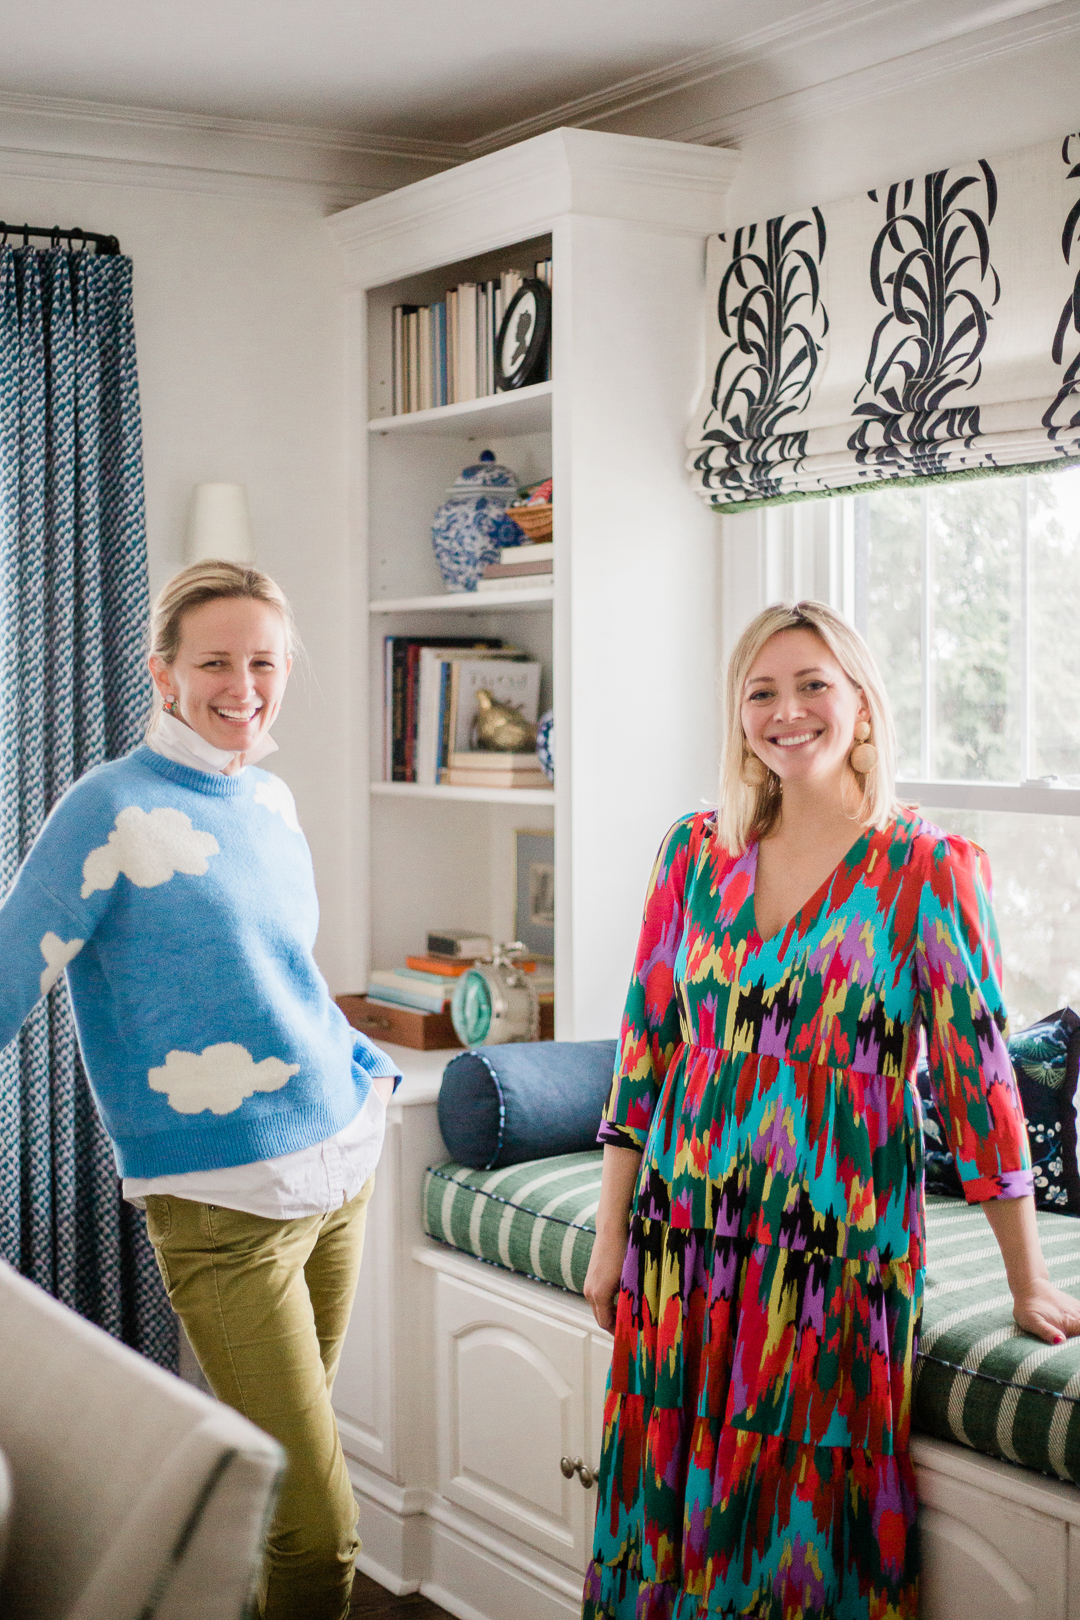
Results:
501 727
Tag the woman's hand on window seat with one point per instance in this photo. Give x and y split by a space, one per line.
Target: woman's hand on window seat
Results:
1038 1307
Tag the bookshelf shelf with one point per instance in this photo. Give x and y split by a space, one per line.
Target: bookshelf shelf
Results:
414 790
466 601
528 410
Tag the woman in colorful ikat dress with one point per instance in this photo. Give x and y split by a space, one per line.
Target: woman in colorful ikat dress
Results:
759 1251
175 889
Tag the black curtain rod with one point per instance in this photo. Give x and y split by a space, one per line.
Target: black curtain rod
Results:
102 244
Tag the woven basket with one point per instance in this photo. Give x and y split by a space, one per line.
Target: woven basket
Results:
535 521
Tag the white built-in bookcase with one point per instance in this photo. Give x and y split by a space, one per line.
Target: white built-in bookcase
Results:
626 634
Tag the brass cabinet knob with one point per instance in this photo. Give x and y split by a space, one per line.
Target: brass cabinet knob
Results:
569 1466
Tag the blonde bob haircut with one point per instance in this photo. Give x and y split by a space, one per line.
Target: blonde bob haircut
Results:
747 812
210 581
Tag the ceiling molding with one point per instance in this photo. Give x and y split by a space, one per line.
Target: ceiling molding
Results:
19 162
243 129
883 79
112 144
703 67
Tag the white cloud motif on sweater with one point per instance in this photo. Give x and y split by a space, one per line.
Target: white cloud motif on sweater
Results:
276 796
219 1078
57 953
149 849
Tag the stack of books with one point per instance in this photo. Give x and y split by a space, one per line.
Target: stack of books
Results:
531 564
493 770
430 699
444 353
410 1006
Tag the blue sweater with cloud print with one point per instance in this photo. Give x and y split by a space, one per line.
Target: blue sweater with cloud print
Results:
182 907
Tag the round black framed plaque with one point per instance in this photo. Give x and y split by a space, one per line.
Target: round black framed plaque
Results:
522 344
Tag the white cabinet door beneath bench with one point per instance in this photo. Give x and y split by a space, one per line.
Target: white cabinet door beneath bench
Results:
515 1393
995 1538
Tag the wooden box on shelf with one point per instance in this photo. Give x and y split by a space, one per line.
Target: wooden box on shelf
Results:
401 1026
423 1031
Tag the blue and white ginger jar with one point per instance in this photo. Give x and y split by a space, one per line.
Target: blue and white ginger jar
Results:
545 745
471 526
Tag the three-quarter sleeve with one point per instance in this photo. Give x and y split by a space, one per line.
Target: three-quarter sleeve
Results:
958 960
650 1027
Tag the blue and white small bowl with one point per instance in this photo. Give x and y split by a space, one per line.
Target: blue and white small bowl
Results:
471 526
545 745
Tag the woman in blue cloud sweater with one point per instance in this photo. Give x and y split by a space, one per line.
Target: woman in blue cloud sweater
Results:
174 888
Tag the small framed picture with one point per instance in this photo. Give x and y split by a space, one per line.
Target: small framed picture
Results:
535 915
521 346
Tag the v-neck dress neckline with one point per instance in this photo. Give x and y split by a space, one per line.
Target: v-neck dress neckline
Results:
820 894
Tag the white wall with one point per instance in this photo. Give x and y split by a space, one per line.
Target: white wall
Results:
238 334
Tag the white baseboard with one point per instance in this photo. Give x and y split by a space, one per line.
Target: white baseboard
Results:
463 1567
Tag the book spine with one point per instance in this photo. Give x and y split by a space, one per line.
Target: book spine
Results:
397 341
440 354
451 346
424 357
413 324
466 388
411 668
442 752
517 570
398 701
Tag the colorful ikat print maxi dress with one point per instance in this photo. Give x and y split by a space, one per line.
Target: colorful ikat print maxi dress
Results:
755 1454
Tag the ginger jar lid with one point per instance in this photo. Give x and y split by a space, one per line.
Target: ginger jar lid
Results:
485 474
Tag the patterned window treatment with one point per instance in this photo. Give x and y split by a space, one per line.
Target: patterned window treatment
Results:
73 692
924 330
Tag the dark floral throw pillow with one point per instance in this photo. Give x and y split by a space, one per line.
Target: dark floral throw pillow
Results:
1046 1060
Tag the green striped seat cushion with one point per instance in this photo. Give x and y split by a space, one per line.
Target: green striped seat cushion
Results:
538 1218
978 1380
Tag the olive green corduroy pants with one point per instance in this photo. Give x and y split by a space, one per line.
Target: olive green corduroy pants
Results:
265 1305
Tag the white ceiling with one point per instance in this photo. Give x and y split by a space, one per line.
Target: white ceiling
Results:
451 70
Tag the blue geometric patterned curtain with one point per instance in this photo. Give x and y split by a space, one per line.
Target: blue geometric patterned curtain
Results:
73 692
927 329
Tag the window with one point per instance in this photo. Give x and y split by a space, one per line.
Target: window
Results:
967 592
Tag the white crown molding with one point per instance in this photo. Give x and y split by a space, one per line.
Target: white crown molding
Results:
49 138
816 22
126 173
57 138
887 78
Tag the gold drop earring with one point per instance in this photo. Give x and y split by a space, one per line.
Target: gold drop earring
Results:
755 773
864 756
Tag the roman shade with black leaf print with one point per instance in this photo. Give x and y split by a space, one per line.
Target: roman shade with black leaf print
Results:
927 329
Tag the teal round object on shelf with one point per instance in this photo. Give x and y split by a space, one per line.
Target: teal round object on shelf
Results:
470 1008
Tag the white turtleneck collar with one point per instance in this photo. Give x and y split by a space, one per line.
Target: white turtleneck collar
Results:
176 741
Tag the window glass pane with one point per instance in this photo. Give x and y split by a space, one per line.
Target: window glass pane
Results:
1054 528
888 551
1035 861
975 639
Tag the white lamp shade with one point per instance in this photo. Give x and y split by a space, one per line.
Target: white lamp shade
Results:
219 525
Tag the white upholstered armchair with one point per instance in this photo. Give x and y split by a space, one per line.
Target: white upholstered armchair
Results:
131 1493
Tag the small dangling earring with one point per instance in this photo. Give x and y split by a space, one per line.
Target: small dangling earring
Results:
172 704
864 756
755 773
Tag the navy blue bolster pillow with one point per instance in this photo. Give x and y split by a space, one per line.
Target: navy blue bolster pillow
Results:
501 1105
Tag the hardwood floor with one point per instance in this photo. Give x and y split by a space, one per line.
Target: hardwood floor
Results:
370 1601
